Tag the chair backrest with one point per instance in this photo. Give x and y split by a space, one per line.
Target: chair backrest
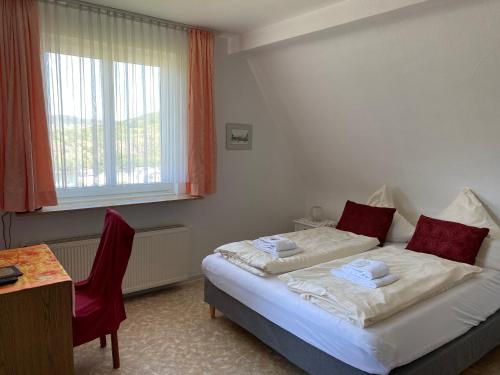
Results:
112 256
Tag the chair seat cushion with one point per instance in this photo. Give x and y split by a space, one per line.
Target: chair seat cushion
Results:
86 305
94 317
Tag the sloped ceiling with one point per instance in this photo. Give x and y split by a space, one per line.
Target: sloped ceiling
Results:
409 99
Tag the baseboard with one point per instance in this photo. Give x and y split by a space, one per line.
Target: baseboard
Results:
187 280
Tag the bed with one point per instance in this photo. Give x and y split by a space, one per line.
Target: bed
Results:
442 335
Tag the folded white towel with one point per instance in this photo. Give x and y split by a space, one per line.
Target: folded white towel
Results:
366 268
373 284
285 253
273 252
258 243
272 239
279 243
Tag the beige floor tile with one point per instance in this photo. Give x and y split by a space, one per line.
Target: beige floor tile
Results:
170 332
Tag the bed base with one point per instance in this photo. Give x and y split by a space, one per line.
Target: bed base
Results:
450 359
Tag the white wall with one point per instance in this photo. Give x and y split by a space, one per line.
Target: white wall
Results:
259 191
409 99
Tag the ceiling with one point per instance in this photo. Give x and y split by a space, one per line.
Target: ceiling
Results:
232 16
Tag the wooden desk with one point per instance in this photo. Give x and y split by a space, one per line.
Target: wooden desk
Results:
36 315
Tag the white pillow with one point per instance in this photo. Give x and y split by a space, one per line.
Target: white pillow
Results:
467 209
489 254
401 230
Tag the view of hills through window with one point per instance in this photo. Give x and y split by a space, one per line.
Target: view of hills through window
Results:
104 121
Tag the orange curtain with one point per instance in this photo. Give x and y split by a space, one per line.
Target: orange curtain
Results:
26 180
201 128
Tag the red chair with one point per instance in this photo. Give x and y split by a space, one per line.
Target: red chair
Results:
99 308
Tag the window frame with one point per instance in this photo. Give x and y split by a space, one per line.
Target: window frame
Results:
111 190
106 190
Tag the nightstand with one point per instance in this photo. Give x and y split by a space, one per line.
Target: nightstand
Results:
307 223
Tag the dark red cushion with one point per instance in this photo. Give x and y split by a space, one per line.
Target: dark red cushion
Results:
447 239
366 220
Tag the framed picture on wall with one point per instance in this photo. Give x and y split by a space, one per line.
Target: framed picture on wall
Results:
238 136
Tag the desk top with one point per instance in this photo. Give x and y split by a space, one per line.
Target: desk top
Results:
38 264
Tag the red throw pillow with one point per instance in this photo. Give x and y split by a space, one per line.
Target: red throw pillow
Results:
447 239
366 220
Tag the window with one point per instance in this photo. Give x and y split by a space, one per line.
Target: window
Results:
108 136
116 102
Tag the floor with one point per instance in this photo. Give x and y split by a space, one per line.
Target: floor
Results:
170 332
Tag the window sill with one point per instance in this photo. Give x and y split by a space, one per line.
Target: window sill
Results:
112 201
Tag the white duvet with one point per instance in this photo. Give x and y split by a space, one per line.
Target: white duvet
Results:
420 276
319 245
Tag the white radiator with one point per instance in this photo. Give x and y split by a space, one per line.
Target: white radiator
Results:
160 256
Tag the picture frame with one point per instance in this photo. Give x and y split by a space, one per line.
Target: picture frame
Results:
239 136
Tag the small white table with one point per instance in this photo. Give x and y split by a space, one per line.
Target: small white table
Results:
307 223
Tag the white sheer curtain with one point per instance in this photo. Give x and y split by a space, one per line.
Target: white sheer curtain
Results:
115 88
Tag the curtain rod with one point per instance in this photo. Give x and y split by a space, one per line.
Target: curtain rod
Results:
126 13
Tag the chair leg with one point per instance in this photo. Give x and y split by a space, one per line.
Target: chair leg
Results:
114 350
102 339
212 311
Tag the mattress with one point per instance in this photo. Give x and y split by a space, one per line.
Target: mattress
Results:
377 349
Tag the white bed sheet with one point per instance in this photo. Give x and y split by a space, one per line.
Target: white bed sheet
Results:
379 348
